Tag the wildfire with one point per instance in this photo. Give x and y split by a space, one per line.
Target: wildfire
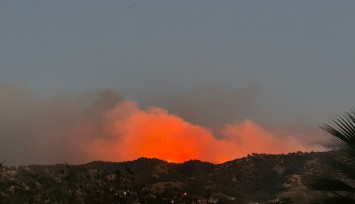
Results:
155 133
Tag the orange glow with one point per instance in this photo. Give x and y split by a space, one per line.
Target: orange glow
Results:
154 133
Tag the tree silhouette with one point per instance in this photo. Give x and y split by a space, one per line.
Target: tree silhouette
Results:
340 187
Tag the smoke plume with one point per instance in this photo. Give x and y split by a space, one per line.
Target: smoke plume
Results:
156 133
70 128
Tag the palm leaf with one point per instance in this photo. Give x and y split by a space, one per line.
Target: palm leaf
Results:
342 184
329 184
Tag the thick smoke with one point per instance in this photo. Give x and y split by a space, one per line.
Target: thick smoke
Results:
70 128
35 129
154 132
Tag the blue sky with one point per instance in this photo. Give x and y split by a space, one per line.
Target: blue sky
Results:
297 57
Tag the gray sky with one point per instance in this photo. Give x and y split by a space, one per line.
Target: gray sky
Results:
285 62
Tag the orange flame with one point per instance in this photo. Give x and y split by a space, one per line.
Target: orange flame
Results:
154 133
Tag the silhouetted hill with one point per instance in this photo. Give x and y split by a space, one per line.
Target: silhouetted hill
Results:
256 178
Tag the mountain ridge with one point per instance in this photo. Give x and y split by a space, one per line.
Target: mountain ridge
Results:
256 178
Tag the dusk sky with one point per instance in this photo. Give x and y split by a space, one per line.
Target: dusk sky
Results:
277 63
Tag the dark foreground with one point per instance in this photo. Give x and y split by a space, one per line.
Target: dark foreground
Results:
259 178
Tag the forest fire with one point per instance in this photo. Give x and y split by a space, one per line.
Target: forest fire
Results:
155 133
111 128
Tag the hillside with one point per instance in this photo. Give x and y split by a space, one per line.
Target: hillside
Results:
258 178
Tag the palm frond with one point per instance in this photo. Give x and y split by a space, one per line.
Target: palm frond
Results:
343 168
343 129
342 184
330 184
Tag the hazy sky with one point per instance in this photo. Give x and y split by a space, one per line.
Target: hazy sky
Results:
270 61
298 55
